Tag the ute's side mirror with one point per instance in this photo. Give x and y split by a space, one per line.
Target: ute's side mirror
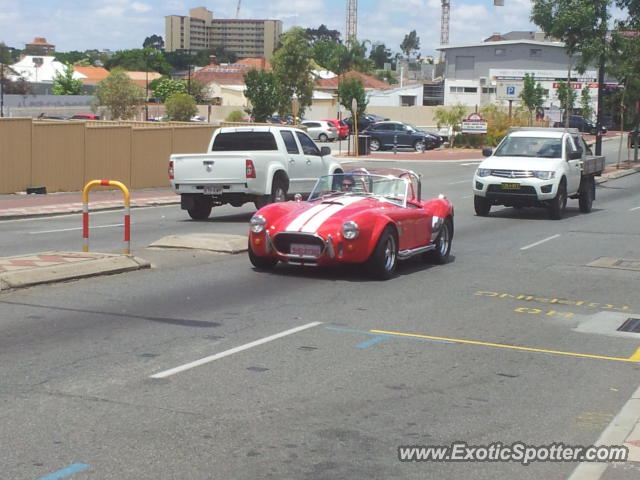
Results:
325 151
577 155
486 152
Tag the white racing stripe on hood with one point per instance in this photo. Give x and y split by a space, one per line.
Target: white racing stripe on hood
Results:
319 211
316 221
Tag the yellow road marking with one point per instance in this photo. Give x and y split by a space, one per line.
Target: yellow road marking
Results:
635 358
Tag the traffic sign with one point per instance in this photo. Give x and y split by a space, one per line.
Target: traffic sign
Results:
509 89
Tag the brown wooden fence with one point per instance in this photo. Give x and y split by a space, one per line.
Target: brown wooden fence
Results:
65 155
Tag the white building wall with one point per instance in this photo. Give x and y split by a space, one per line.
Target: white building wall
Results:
392 98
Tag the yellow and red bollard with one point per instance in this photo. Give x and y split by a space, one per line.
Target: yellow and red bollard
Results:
85 212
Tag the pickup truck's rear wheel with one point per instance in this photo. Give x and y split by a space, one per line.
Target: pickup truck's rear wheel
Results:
278 193
559 203
586 196
384 259
262 263
481 206
201 209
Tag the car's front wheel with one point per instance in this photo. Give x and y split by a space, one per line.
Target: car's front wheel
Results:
322 137
481 206
443 244
559 203
262 263
384 259
374 145
419 146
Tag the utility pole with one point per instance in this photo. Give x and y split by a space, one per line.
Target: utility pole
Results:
599 114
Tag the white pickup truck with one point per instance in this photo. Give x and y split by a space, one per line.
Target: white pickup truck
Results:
537 167
260 164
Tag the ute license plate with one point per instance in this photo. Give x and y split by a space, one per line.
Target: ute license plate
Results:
302 249
510 186
212 190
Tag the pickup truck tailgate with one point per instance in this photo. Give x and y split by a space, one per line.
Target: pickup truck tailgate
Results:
227 167
593 164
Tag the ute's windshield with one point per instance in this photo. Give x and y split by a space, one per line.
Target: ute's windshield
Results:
389 188
530 147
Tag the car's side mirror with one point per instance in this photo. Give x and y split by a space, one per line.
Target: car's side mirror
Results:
325 151
577 155
486 152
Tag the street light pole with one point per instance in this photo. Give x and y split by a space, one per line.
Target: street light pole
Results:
1 88
599 114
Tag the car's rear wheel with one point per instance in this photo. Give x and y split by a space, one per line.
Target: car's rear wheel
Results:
201 209
481 206
586 196
262 263
384 259
278 193
323 137
559 203
374 145
443 244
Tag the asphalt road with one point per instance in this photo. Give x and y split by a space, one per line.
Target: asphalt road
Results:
321 373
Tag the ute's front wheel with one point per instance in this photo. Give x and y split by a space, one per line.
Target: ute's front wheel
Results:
481 206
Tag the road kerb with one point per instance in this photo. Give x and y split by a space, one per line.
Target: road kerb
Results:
103 264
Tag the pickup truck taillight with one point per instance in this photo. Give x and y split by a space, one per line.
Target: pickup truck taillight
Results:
251 170
170 169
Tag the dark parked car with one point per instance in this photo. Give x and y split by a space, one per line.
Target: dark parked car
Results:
364 121
389 134
581 123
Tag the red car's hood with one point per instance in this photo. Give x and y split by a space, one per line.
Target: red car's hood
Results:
310 217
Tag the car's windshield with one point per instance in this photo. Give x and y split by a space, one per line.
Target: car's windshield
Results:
530 147
413 127
388 188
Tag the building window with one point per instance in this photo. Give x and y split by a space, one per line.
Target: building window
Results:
407 100
499 52
535 52
470 90
463 89
488 89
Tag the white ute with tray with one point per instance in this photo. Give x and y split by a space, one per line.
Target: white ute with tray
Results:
537 167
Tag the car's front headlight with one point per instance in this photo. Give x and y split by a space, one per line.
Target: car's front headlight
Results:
483 172
257 223
350 230
543 174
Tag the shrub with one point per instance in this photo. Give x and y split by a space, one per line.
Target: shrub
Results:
181 107
235 116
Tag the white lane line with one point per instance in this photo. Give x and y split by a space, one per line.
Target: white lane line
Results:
615 434
76 228
635 208
461 181
466 196
469 163
541 241
231 351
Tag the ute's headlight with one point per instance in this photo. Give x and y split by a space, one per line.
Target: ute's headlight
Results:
350 230
544 175
257 223
483 172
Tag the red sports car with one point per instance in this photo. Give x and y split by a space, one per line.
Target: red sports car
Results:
374 219
343 128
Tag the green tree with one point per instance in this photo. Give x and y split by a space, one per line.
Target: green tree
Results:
380 55
450 117
139 60
65 84
322 34
386 76
327 54
585 103
180 107
119 95
353 57
292 68
154 41
350 88
263 93
567 98
167 87
532 95
410 44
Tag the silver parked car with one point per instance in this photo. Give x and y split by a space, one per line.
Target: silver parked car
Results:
320 130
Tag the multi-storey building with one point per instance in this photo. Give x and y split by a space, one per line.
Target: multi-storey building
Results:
200 31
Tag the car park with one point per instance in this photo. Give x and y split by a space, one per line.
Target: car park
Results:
320 130
385 135
364 121
85 116
343 128
369 218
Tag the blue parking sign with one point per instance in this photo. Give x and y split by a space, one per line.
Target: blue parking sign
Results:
511 90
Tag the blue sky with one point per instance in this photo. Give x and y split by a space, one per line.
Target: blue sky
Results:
123 24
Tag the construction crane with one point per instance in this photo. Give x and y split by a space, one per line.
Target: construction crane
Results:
238 9
352 20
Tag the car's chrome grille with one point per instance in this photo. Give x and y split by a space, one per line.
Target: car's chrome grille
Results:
512 173
282 241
